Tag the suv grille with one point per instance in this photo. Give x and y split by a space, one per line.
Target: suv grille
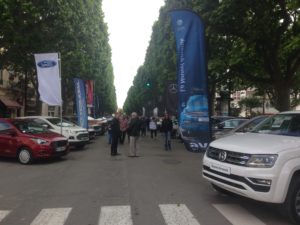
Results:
235 158
83 136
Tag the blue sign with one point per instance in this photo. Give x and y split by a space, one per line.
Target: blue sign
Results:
192 82
82 115
46 63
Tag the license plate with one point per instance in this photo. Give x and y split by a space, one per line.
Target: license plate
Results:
60 149
220 168
85 139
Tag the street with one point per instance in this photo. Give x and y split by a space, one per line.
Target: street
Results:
90 187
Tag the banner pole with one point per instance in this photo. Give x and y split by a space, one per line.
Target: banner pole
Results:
94 102
61 105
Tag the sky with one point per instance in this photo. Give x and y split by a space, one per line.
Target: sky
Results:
130 28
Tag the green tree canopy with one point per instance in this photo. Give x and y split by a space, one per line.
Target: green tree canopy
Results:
74 28
250 43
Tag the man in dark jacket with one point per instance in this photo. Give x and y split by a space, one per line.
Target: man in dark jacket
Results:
134 129
115 133
167 127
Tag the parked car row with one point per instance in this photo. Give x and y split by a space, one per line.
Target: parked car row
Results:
39 137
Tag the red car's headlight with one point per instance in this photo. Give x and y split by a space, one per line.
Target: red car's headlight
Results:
39 141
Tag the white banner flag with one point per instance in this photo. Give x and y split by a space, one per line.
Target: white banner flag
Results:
48 77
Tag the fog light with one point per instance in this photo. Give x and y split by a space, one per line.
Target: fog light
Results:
265 182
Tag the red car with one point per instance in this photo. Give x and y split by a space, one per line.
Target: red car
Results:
27 140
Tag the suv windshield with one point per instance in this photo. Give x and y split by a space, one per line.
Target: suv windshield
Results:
58 122
29 126
281 124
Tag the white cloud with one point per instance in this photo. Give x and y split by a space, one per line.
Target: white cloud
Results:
130 27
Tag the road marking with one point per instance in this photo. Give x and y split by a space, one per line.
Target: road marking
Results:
177 214
55 216
115 215
237 215
3 214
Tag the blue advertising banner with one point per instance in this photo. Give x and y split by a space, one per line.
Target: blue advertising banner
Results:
193 106
82 115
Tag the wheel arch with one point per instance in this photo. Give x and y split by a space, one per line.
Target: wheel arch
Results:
21 147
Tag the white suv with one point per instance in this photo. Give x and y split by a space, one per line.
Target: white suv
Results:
77 136
263 164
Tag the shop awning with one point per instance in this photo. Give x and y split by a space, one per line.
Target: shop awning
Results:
9 103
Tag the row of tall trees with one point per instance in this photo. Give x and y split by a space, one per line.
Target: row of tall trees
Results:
250 43
74 28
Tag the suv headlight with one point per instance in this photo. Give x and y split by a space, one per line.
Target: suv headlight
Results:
262 161
39 141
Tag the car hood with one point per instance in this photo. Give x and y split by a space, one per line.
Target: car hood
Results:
48 136
254 143
74 128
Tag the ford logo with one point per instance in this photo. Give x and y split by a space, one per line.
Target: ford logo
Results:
46 63
222 156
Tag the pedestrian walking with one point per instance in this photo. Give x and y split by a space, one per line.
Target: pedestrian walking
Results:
143 126
153 127
167 127
109 133
123 127
115 133
134 128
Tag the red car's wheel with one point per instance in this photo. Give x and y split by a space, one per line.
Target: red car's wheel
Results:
25 156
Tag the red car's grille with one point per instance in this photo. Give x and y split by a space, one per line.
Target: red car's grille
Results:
62 143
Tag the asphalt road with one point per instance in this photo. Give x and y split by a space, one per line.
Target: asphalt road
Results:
90 187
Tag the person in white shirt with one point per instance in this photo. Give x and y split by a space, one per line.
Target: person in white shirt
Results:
153 127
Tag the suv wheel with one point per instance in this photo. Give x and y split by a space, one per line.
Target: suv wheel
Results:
292 202
25 156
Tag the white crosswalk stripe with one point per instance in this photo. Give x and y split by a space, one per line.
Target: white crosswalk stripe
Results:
3 214
177 214
237 215
115 215
173 214
55 216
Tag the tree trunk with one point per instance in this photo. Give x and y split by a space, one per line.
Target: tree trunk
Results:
212 97
282 97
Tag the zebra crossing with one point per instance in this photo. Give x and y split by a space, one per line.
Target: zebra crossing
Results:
173 214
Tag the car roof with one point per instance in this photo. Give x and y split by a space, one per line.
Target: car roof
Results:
291 112
235 119
41 117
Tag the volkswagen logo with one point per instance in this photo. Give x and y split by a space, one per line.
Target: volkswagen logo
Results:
222 156
172 88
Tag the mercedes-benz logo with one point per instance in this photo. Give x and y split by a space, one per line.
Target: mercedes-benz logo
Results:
222 156
172 88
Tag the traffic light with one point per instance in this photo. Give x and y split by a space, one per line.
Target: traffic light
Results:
148 84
